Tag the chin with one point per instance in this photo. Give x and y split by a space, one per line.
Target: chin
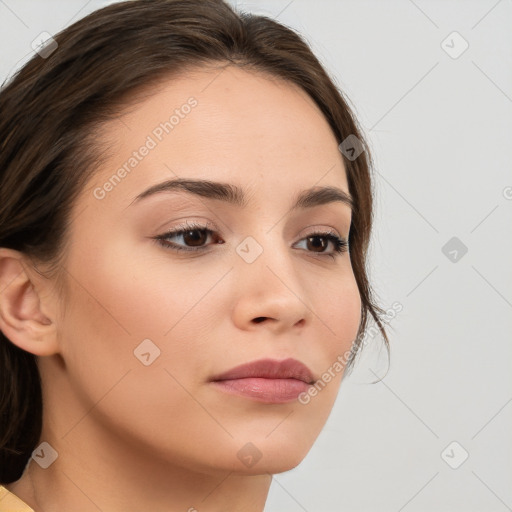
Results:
272 464
271 455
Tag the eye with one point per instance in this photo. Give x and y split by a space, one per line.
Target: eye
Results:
194 237
190 233
319 241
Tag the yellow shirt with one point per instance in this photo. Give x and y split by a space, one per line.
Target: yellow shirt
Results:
11 503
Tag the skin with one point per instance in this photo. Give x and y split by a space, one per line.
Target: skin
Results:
161 437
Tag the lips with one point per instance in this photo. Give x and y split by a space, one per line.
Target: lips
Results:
266 380
269 369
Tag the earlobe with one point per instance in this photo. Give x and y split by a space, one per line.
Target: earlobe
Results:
22 320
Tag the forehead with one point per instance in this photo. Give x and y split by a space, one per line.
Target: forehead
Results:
223 123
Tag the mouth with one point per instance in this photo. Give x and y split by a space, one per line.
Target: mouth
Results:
266 380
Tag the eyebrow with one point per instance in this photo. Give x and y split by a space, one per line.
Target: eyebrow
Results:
236 196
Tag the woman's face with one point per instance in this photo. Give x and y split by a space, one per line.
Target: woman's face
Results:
147 327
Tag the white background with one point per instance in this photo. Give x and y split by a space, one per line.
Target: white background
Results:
441 133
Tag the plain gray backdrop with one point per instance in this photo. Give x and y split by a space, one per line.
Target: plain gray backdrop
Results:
431 83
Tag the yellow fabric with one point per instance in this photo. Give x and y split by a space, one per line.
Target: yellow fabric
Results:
11 503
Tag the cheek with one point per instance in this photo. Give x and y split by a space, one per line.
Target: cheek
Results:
128 296
338 316
118 302
105 324
339 310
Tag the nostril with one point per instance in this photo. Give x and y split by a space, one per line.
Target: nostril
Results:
259 319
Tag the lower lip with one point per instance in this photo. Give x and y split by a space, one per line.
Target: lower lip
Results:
275 391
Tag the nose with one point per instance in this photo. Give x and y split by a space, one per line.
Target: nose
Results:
270 292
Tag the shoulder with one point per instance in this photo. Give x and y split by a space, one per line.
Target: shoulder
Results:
11 503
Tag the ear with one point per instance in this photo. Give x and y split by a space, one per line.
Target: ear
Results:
22 319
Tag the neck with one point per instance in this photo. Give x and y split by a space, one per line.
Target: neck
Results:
92 474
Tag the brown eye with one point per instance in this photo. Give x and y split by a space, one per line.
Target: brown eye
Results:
195 237
317 243
190 237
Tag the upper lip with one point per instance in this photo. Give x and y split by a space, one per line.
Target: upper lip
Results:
269 369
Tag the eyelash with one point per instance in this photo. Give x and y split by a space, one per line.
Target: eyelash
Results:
340 244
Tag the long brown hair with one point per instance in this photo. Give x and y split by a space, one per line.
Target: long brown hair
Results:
51 110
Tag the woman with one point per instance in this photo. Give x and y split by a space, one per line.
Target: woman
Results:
186 205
